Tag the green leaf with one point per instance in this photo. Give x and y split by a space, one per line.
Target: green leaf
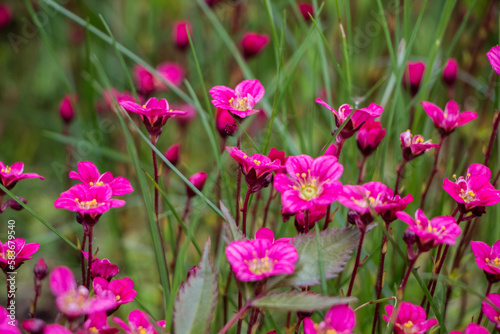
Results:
299 301
197 299
336 246
232 231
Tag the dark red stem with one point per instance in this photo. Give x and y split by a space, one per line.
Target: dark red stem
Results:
433 173
481 312
356 263
494 131
361 167
244 211
380 279
399 170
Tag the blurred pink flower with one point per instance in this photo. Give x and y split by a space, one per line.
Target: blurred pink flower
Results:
89 175
305 9
40 270
241 100
254 260
139 322
491 312
102 268
494 58
430 233
187 118
172 154
66 109
107 102
450 71
198 180
474 191
14 252
340 319
451 118
179 34
473 329
369 137
413 74
5 15
56 329
225 123
309 182
6 322
122 289
315 214
144 80
10 175
487 258
253 43
410 319
73 300
33 326
97 323
171 72
274 155
414 146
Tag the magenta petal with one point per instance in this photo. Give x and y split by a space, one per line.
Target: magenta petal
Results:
282 183
265 233
466 117
298 164
221 93
292 202
327 167
88 172
120 186
252 87
62 281
494 58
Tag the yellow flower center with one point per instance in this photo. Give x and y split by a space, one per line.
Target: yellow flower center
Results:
259 266
6 169
88 204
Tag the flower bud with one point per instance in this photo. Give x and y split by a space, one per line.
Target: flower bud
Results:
171 72
225 123
41 270
66 109
253 43
450 72
198 180
5 16
172 154
33 326
413 75
369 137
180 35
16 206
306 8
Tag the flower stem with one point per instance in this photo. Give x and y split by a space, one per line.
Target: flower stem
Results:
399 170
244 211
340 145
238 187
268 204
38 290
402 287
361 167
433 173
84 241
236 317
179 230
481 312
356 263
91 257
327 217
380 278
496 122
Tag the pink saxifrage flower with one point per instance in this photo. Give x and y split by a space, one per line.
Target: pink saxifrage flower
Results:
473 329
369 137
180 35
257 168
241 100
262 257
122 289
73 300
154 114
98 323
89 175
172 154
10 175
359 116
488 258
412 77
494 58
410 319
414 146
474 191
6 322
139 322
450 71
315 214
305 9
430 233
144 80
198 180
340 319
491 312
446 122
309 182
14 252
253 43
66 109
173 73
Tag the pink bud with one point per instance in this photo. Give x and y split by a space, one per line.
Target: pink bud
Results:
184 120
5 16
144 80
212 3
331 150
253 43
369 137
66 109
33 326
306 8
413 75
172 154
450 72
171 72
41 270
226 125
198 180
180 35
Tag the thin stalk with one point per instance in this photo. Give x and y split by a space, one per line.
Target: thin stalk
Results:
89 262
327 218
400 170
238 187
380 278
481 312
494 131
433 173
361 167
244 211
38 289
306 221
402 287
179 230
340 145
236 317
356 263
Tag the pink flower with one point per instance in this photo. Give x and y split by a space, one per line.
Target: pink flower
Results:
369 137
256 168
359 116
448 120
262 257
430 233
198 180
410 319
154 113
450 71
306 9
413 75
253 43
331 150
73 300
66 109
89 175
494 58
33 325
122 289
102 268
172 154
241 100
487 258
144 80
89 203
225 123
414 146
315 214
171 72
340 319
473 329
491 312
14 252
474 191
107 102
10 175
180 35
139 322
187 118
56 329
6 322
5 15
98 323
274 155
309 182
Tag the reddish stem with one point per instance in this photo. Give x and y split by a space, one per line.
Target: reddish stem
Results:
356 263
481 312
433 173
244 211
380 279
402 287
91 257
361 166
82 260
327 218
238 187
494 131
399 170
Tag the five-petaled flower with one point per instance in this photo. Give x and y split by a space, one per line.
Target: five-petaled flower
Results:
10 175
241 100
14 252
154 114
410 319
122 289
488 258
430 233
309 182
414 146
446 121
474 191
490 311
340 319
262 257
